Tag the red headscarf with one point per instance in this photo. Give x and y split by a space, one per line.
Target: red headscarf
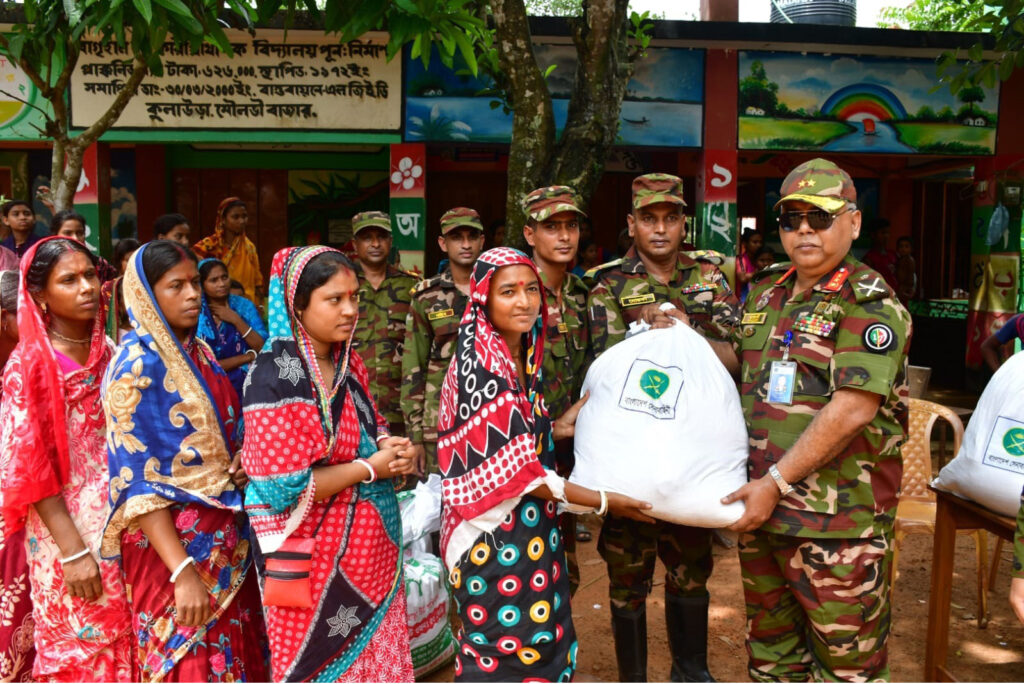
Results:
34 451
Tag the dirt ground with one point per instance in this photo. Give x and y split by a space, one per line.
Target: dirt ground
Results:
994 654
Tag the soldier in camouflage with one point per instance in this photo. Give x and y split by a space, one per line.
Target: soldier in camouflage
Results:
384 297
431 330
553 231
825 467
631 289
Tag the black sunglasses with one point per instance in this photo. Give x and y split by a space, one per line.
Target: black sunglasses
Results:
817 219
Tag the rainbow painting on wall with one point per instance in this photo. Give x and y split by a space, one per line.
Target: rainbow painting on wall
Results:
843 103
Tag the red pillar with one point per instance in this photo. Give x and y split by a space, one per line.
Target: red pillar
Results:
92 199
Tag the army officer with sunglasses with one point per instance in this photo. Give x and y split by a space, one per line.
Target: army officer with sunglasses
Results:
822 347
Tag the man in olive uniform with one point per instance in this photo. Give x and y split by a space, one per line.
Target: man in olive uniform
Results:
384 297
823 349
553 231
630 289
431 330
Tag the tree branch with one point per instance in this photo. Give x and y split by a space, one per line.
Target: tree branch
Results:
110 117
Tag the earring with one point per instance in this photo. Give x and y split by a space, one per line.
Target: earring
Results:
43 307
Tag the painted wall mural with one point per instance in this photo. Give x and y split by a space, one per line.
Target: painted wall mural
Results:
839 103
450 105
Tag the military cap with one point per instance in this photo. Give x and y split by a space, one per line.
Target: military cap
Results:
460 216
543 203
370 219
652 188
818 182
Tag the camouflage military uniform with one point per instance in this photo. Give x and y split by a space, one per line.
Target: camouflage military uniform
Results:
816 574
380 337
621 289
565 350
431 331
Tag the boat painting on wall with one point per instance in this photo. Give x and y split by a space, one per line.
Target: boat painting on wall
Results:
843 103
452 105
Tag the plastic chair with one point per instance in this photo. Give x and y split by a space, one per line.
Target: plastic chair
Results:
916 511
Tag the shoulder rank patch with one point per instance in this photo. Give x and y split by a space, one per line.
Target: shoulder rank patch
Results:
835 283
563 328
785 276
754 318
814 324
592 273
879 338
637 300
698 287
870 286
438 315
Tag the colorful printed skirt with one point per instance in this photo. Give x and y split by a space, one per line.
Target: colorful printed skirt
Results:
512 590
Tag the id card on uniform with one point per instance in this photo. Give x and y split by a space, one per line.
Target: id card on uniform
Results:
781 382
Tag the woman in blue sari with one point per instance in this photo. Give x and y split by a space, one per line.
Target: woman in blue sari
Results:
230 324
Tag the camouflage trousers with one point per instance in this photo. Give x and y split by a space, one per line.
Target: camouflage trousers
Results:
630 549
817 609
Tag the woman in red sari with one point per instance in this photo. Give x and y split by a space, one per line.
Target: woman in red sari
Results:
321 461
53 467
176 489
17 646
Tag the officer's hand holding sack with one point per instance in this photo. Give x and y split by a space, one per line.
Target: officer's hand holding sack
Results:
663 397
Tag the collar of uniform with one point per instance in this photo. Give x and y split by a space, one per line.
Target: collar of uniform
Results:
634 264
446 278
848 263
568 282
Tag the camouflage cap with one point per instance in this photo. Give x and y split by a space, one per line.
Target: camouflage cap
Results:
543 203
370 219
460 216
652 188
818 182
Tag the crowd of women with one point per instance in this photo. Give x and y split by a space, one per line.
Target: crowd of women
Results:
189 494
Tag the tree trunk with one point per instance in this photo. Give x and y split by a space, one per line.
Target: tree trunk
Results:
603 72
533 120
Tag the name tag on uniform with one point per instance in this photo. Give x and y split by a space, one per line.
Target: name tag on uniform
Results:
754 318
438 315
781 382
563 328
637 300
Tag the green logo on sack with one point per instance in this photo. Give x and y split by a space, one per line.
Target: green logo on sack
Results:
654 383
1013 441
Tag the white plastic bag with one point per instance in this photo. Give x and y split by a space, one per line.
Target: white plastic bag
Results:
989 468
421 510
663 424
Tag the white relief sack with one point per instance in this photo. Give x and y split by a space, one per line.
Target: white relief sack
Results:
989 468
663 424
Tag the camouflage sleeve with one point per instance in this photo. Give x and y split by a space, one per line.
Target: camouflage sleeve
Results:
1018 542
871 344
414 370
607 326
725 308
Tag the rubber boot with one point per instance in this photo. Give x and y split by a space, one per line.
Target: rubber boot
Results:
629 630
686 619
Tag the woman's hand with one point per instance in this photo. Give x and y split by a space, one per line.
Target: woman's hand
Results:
381 463
405 462
82 578
191 599
227 314
626 507
237 472
564 426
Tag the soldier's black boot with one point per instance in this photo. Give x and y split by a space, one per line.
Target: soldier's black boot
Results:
686 619
629 630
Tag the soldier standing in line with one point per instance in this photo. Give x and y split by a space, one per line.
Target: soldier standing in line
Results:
823 345
431 329
553 231
384 297
631 289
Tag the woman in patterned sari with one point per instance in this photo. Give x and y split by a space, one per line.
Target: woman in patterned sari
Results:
53 467
17 646
176 489
499 535
230 244
320 463
230 324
